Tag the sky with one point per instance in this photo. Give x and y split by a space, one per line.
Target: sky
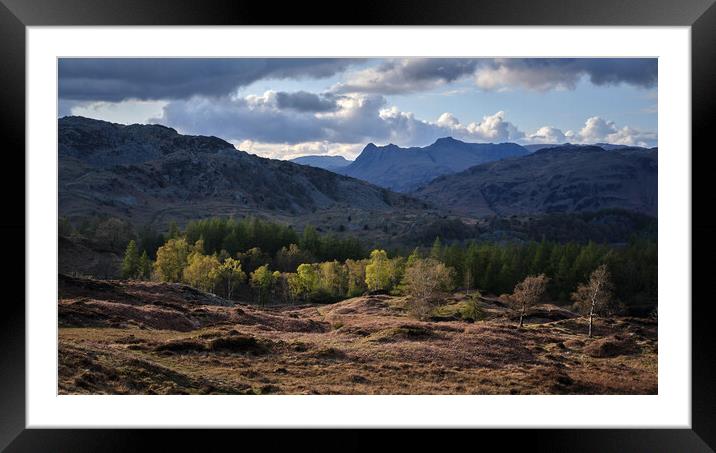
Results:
288 107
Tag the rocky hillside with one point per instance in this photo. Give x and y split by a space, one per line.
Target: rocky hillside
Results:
564 179
405 169
150 173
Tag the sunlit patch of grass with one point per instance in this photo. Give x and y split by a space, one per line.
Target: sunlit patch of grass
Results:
465 310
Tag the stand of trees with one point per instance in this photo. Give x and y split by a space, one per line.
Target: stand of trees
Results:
497 268
234 236
272 262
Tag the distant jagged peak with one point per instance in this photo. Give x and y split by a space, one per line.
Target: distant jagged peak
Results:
372 150
447 141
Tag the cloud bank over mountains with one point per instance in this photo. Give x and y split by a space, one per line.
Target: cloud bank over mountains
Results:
209 97
417 74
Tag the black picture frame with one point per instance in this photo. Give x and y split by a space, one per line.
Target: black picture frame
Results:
16 15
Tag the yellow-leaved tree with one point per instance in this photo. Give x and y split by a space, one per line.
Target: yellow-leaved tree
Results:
171 260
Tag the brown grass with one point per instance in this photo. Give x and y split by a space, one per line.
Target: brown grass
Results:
114 343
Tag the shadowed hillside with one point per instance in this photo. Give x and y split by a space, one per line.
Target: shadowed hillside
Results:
152 174
563 179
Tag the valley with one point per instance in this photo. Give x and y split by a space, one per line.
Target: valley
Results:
187 266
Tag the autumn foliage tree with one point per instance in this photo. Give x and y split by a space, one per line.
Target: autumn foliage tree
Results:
378 271
356 277
200 271
595 295
263 281
305 283
229 274
171 260
528 292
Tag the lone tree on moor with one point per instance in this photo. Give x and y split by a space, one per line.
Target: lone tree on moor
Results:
425 280
594 295
528 292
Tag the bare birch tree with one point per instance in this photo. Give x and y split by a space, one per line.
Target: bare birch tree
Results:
528 293
425 280
595 295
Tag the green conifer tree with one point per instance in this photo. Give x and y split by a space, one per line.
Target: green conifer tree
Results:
145 266
130 265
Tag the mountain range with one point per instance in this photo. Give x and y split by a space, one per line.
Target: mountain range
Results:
406 169
151 174
567 178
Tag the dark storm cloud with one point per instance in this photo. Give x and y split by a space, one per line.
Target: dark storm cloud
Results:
408 75
634 71
446 69
117 79
550 73
304 101
419 74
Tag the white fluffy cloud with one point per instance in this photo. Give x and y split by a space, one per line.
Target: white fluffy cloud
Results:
492 128
547 134
595 130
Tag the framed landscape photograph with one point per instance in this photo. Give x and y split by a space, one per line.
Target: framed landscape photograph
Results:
446 225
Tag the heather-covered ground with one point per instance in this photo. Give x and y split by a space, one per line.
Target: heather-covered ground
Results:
160 338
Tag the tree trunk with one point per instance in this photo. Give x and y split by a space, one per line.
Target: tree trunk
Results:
522 315
591 316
